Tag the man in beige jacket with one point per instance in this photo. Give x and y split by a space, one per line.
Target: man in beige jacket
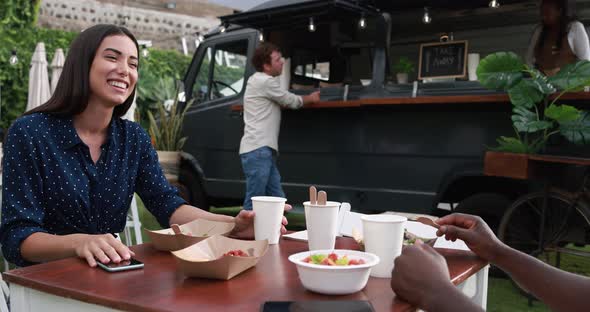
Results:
263 99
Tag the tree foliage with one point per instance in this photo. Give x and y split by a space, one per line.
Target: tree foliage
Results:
18 32
158 76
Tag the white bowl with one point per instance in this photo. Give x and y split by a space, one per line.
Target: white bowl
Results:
334 280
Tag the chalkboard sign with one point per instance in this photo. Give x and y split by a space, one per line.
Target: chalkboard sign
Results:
443 60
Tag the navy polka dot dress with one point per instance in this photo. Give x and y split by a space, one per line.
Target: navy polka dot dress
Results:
50 183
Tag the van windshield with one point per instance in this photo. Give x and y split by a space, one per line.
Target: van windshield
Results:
221 73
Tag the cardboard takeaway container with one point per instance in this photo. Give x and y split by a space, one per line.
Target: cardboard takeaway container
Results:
206 260
193 232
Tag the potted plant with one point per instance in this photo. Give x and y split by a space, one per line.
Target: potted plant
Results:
402 68
166 134
536 112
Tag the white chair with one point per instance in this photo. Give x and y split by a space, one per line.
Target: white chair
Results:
133 222
6 265
4 295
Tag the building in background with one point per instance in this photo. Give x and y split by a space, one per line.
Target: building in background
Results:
163 22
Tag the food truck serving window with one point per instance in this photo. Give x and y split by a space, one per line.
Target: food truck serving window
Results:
319 70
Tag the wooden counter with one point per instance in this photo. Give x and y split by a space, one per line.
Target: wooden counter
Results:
525 166
446 99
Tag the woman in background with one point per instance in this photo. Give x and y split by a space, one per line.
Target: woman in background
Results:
559 40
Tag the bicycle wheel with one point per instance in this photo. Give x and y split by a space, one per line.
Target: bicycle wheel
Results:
564 230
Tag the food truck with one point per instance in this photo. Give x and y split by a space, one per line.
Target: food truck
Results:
373 141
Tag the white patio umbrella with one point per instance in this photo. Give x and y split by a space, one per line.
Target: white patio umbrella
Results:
57 65
38 78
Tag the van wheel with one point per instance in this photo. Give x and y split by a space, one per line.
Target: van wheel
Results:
490 207
192 189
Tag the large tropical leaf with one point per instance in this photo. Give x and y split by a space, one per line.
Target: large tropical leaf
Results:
525 93
541 82
527 121
500 71
516 145
562 113
572 76
577 131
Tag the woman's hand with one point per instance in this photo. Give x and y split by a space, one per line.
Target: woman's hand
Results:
102 247
245 224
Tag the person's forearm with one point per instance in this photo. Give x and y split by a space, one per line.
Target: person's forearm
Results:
187 213
450 299
560 290
43 247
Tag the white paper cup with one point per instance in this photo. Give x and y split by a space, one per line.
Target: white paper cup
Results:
472 63
321 222
383 235
268 215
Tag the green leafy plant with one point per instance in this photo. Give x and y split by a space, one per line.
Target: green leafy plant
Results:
536 114
157 75
166 129
404 65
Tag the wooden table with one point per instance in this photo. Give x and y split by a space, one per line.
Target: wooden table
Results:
70 285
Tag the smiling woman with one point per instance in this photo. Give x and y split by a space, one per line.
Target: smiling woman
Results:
72 165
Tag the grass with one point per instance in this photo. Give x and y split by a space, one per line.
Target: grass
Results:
503 297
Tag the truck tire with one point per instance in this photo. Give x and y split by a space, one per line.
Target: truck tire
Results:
489 206
192 189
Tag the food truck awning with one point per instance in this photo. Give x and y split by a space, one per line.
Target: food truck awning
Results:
288 13
282 13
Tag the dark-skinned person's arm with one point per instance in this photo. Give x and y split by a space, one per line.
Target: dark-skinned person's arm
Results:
560 290
421 277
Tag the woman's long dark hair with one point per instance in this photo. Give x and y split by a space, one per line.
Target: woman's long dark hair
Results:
568 15
73 87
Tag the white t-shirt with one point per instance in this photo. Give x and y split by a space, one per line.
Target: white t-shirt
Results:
263 99
577 39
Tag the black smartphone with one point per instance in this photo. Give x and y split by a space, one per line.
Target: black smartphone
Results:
317 306
124 265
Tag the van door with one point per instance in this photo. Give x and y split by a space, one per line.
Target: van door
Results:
216 81
218 71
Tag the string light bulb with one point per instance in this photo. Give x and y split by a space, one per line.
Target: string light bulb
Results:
426 19
13 58
222 28
311 26
144 51
362 22
494 4
261 36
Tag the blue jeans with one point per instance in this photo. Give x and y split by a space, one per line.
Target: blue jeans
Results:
262 175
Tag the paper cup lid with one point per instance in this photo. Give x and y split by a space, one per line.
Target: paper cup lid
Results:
271 199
